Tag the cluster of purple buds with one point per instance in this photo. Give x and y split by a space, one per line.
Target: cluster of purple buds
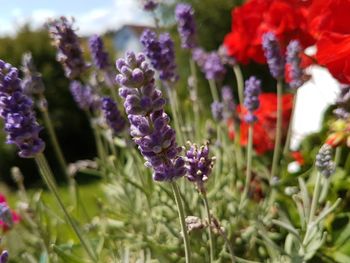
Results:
324 162
69 52
17 111
273 55
85 96
4 256
150 127
112 115
199 164
251 98
343 103
160 51
149 5
293 59
99 55
32 83
186 25
228 102
210 64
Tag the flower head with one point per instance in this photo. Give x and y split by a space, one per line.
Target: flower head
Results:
186 26
112 115
324 162
99 55
160 51
149 5
17 111
273 54
69 51
85 96
251 98
210 64
4 256
294 72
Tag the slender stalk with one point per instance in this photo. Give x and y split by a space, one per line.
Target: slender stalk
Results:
180 209
249 167
277 148
240 82
211 243
315 197
47 177
290 128
174 114
195 97
228 244
213 90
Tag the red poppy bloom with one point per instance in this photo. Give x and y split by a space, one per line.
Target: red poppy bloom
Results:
285 18
265 126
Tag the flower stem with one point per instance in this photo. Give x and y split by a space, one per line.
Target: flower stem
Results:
290 128
213 89
249 167
240 82
180 209
277 148
211 243
174 114
48 178
315 197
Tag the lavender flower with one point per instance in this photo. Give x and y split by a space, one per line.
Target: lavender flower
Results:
69 52
149 5
293 61
149 123
17 111
217 110
343 103
199 56
324 161
186 26
273 55
251 98
210 64
99 55
112 115
4 256
6 215
85 97
199 164
160 51
32 83
228 102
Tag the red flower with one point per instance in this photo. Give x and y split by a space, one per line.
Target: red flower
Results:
15 217
329 23
286 18
265 126
298 157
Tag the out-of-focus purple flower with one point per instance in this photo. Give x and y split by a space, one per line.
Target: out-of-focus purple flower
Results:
149 123
273 55
99 55
6 215
112 115
225 58
69 51
209 63
293 66
149 5
324 162
85 96
228 102
199 56
160 51
32 83
251 98
4 256
199 164
16 109
217 110
343 103
186 25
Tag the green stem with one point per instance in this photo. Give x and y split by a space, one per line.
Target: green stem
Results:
211 243
47 176
174 114
249 167
315 197
277 148
213 90
195 98
228 244
240 82
290 128
180 209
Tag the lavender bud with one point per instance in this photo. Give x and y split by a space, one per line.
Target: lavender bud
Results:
4 256
210 64
112 115
251 97
32 83
69 52
293 59
85 97
273 55
99 55
217 109
324 162
149 5
186 26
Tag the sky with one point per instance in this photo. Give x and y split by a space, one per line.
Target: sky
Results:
92 16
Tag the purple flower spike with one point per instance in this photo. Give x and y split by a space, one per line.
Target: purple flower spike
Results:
149 5
69 52
210 64
251 98
186 26
199 164
99 55
17 111
273 55
4 256
112 115
160 51
293 56
85 97
228 102
150 127
217 110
